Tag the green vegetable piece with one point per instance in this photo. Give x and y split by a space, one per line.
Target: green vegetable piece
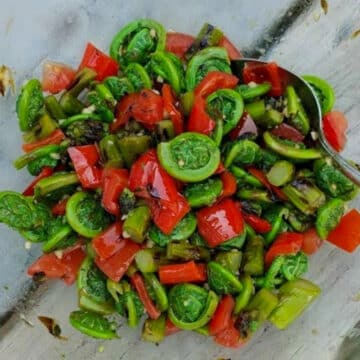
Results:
189 157
154 330
275 215
23 160
187 101
64 123
270 119
209 35
148 260
90 251
110 151
183 251
137 223
92 324
164 131
294 297
241 152
127 201
249 93
119 86
265 159
236 242
230 260
138 77
296 112
34 167
106 95
53 107
323 91
191 306
206 60
332 181
256 109
242 300
218 131
328 217
133 146
262 304
253 259
44 127
204 193
221 280
304 195
197 240
227 105
288 151
204 330
281 173
297 220
243 177
70 105
60 238
262 196
85 215
158 290
85 132
183 230
29 103
167 66
88 303
101 106
82 80
52 184
92 282
136 41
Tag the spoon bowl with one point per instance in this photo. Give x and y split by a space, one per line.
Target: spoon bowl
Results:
313 109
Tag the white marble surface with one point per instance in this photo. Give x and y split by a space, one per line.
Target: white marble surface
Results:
31 31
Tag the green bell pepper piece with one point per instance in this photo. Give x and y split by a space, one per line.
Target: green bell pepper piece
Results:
183 251
70 105
243 177
53 183
262 304
154 330
230 260
253 259
249 93
256 109
281 173
110 152
53 107
133 146
137 223
242 300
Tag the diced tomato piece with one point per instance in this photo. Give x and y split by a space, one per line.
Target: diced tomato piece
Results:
178 43
220 222
54 138
288 132
139 284
222 316
56 77
246 125
180 273
72 258
48 264
260 225
233 52
229 337
109 241
59 208
346 235
260 73
95 59
334 126
285 243
115 266
229 184
312 241
199 120
171 109
170 328
45 172
114 182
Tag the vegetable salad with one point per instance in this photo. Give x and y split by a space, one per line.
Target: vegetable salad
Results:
167 187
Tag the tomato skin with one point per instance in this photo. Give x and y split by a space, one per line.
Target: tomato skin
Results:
246 125
59 209
261 73
312 242
150 181
109 241
171 110
72 260
229 337
260 225
180 273
199 120
220 222
114 182
222 316
346 235
288 132
56 77
229 184
115 266
85 159
145 107
170 328
54 138
139 284
285 243
334 126
95 59
45 172
178 43
233 52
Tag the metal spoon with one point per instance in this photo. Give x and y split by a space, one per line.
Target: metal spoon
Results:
313 109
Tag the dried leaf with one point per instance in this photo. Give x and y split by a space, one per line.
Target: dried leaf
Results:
6 80
52 326
355 34
325 6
